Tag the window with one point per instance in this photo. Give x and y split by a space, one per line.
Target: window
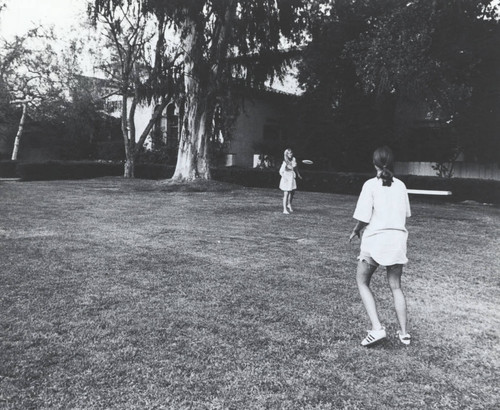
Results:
169 126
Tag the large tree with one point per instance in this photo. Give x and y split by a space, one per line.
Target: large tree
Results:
140 75
211 33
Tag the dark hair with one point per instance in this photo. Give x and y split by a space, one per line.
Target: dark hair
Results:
383 158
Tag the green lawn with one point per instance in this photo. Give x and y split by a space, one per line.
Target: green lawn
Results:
134 294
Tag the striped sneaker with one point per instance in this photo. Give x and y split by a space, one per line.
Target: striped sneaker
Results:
373 337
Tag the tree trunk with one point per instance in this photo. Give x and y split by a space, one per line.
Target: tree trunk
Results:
152 121
17 141
192 158
128 169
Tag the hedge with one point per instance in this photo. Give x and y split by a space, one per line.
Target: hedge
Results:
480 190
8 169
317 181
485 191
51 170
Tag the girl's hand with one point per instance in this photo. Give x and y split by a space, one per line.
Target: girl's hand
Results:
353 235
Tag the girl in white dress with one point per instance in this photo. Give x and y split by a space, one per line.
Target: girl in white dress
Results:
382 209
288 185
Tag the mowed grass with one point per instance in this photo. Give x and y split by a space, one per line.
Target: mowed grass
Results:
135 294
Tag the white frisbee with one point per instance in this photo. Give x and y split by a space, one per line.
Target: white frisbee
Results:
307 161
427 192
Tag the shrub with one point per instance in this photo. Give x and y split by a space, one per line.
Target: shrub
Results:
486 191
110 150
346 183
153 171
50 170
8 169
161 156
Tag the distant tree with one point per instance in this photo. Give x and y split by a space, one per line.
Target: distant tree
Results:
139 76
29 75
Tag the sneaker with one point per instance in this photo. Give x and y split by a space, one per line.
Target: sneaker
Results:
405 339
373 337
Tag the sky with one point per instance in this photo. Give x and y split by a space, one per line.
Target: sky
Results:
64 15
21 15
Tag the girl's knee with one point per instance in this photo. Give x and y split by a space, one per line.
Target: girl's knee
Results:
394 276
364 273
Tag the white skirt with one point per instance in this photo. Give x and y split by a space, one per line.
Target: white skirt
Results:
287 182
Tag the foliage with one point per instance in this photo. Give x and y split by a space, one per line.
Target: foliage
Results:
213 33
61 106
158 155
438 53
342 122
444 168
393 62
30 70
139 73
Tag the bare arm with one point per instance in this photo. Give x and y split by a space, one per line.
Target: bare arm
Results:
357 230
297 172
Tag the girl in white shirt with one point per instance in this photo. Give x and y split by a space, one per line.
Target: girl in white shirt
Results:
382 209
288 172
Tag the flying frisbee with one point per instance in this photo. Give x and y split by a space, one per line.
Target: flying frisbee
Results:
307 161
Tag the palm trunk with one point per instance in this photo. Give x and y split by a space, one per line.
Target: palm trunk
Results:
17 141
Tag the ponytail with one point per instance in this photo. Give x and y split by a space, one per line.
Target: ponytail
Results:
386 176
383 158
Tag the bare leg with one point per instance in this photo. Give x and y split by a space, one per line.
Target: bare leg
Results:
394 278
290 199
363 277
286 195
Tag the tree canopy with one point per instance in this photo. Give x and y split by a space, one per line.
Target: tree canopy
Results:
368 68
395 61
213 33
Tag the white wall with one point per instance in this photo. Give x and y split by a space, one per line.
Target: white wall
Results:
249 129
141 118
142 114
460 170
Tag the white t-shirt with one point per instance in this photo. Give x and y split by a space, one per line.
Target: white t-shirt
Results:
385 209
